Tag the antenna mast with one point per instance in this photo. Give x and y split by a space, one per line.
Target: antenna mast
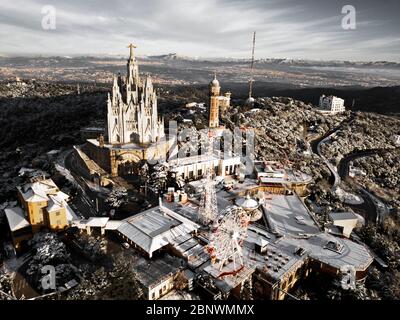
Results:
251 67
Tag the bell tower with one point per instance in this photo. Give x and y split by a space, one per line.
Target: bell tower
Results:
214 91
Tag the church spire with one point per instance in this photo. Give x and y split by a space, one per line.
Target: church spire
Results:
132 70
133 107
131 46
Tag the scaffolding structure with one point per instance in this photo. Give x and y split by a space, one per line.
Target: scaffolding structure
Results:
208 210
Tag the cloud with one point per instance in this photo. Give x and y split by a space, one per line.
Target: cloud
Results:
202 28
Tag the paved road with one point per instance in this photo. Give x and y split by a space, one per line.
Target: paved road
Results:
371 207
316 142
332 168
375 208
316 148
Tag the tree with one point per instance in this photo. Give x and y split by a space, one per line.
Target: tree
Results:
49 251
116 197
121 282
6 286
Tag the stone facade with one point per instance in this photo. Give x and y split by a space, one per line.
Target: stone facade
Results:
132 108
134 130
122 160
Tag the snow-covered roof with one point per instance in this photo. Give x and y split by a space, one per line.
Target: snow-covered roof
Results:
261 241
247 203
57 201
16 218
155 228
113 224
71 215
342 216
97 222
38 191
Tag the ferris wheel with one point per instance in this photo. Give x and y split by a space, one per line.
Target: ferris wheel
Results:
227 239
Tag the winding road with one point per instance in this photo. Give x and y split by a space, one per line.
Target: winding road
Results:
372 208
316 148
375 208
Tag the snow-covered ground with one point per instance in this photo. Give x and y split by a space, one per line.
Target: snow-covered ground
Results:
348 197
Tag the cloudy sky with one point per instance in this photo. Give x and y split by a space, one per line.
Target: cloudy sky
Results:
205 28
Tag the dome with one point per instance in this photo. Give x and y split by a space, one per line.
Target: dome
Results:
214 82
247 203
250 101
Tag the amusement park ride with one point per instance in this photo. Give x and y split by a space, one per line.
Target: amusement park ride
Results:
227 239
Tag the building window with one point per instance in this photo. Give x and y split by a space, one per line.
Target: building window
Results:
58 213
199 172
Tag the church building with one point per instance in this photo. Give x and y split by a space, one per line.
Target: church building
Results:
132 108
134 131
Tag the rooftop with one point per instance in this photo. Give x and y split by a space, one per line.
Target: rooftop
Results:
225 281
328 249
345 252
155 228
276 261
247 203
289 215
153 272
57 201
342 216
16 218
38 191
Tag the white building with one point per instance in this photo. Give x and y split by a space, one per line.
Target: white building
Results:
132 108
331 104
195 167
345 221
